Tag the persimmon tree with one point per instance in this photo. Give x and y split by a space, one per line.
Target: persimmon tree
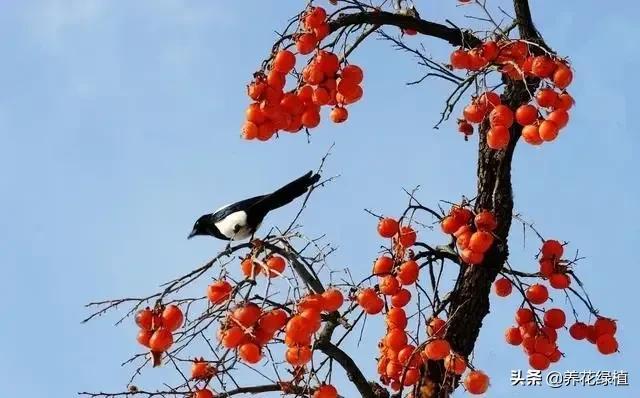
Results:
277 302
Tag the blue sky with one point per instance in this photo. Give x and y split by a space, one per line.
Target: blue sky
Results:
119 124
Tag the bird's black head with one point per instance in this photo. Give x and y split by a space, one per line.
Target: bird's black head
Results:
201 227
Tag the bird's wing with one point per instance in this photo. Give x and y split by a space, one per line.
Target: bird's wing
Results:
224 211
284 195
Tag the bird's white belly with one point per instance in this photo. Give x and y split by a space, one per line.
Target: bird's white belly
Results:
234 226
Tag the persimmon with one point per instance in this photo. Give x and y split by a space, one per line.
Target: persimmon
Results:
249 353
539 361
332 299
489 50
490 100
312 74
563 76
276 79
339 114
298 329
526 114
256 89
560 117
250 130
455 364
548 130
249 268
144 319
305 94
476 60
537 293
449 225
524 315
437 349
501 115
389 285
498 137
408 272
410 377
388 227
369 301
547 267
232 337
461 214
502 287
321 31
542 66
531 134
465 127
328 62
326 391
284 61
552 249
436 327
246 315
578 331
310 118
298 355
529 329
219 291
401 298
275 266
546 97
396 318
407 236
321 96
254 114
544 345
604 325
474 113
201 370
144 336
172 317
480 241
352 73
555 318
383 265
476 382
396 339
555 356
315 17
161 340
405 354
459 59
559 281
485 221
306 42
311 301
470 257
607 344
203 393
513 336
273 320
564 102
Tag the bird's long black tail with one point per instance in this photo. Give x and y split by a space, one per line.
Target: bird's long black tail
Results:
288 193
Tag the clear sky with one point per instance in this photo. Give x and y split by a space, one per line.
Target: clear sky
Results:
119 125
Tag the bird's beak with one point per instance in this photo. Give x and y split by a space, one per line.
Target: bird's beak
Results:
192 234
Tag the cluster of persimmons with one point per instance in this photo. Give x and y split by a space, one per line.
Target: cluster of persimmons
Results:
326 80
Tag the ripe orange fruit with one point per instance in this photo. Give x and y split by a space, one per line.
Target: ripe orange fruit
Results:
332 299
306 42
501 115
369 301
275 266
328 62
489 48
459 59
144 319
604 325
326 391
408 272
578 331
470 257
249 353
559 281
249 268
161 340
204 393
388 227
396 318
554 318
437 349
498 137
546 97
407 236
315 17
513 336
352 73
231 337
246 315
607 344
405 354
531 134
537 293
480 241
449 225
526 114
552 249
548 130
563 76
144 336
502 287
172 317
559 117
401 298
564 101
254 114
310 118
465 127
389 285
543 66
284 61
436 327
339 114
396 339
298 355
461 215
411 377
489 99
539 361
485 221
524 315
219 291
455 364
250 130
476 382
201 370
273 320
383 265
473 113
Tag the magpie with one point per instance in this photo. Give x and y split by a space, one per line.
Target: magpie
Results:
242 219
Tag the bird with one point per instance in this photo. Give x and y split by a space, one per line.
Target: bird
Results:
241 220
